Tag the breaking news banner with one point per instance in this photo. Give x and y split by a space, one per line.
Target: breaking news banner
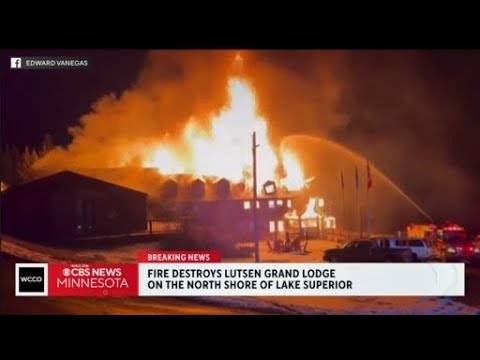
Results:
179 256
191 273
276 279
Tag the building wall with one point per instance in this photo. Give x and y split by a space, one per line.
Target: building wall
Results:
35 215
230 218
50 213
112 213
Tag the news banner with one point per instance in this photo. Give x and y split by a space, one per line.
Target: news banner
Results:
188 273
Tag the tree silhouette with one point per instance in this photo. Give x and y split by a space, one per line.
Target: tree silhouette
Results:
47 145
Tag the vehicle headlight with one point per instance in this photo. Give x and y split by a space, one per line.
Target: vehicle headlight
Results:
451 250
477 250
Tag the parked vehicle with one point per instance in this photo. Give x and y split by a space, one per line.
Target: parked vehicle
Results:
421 249
457 247
367 250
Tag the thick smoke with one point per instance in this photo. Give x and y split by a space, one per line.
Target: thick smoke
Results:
411 116
175 86
393 107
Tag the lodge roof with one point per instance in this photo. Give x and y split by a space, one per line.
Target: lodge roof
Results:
183 187
67 179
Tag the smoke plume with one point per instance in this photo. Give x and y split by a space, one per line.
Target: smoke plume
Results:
393 107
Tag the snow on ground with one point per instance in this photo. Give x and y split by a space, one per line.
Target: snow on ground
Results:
43 253
268 305
343 306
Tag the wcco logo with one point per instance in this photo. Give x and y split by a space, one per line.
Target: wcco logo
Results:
31 279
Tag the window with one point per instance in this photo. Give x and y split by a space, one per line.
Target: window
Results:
400 243
280 202
258 204
289 203
416 243
272 226
271 204
384 243
280 225
246 205
350 245
364 245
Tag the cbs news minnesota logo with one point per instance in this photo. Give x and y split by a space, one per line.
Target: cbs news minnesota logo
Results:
31 279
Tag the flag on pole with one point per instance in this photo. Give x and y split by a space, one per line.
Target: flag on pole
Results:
369 177
341 178
356 177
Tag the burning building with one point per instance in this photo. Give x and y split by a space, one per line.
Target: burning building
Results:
218 209
313 222
203 174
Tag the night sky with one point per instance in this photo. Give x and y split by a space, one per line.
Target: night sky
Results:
441 123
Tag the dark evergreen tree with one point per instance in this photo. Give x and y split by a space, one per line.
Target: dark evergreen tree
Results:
47 145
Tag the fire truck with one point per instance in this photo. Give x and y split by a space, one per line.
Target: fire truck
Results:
428 232
451 230
432 232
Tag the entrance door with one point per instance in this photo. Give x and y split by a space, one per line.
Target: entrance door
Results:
85 216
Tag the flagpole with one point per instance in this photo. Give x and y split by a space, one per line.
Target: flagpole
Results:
344 222
369 185
357 209
368 213
343 207
359 214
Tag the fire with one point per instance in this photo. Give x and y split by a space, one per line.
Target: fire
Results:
225 149
164 160
310 212
295 179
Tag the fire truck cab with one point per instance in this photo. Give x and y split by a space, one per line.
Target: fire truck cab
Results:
453 243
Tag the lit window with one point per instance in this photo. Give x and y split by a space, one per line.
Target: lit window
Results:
271 204
258 204
319 202
280 202
272 226
289 203
246 205
280 226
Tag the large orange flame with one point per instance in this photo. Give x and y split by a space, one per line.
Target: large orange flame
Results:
225 149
